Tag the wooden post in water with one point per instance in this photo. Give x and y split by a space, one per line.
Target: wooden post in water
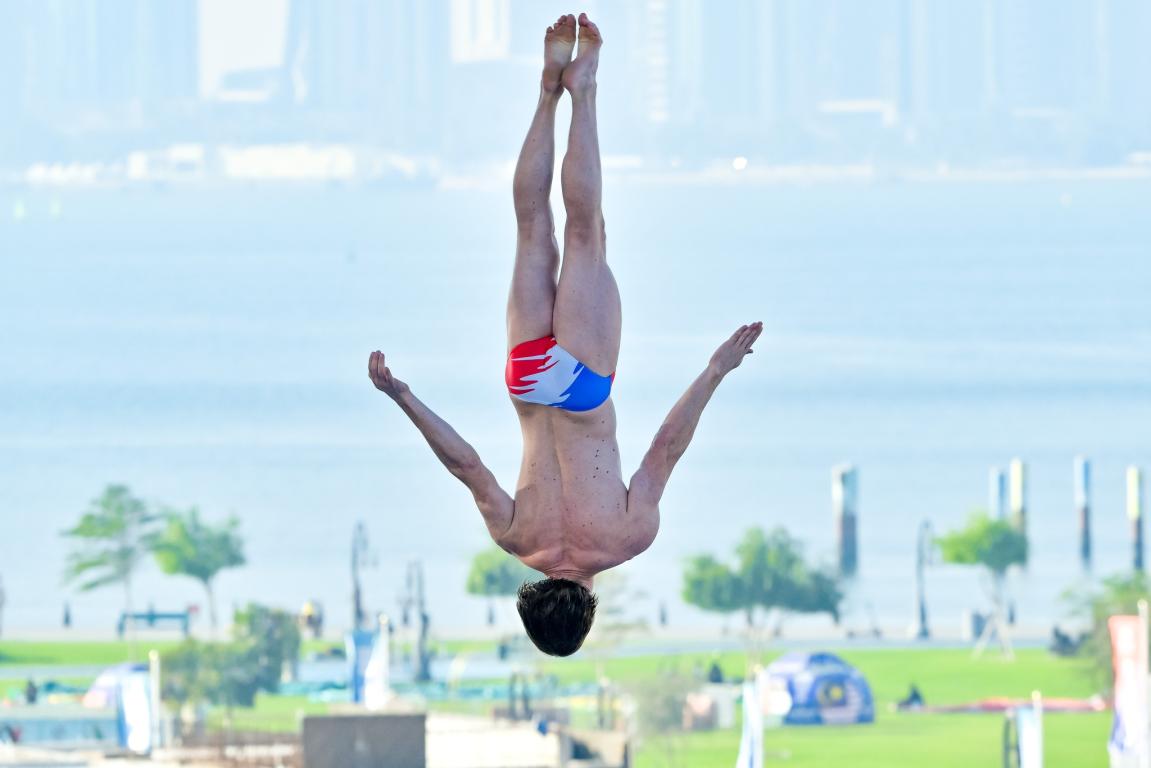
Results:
1135 513
1083 508
844 499
1018 494
997 494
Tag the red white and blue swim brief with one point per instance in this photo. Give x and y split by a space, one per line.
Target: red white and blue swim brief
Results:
544 373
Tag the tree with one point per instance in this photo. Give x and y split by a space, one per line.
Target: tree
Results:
770 575
996 545
190 547
267 640
1117 595
111 538
494 573
712 586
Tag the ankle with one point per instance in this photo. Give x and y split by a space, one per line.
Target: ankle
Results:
583 91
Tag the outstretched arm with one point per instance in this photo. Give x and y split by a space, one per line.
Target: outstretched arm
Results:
678 428
453 451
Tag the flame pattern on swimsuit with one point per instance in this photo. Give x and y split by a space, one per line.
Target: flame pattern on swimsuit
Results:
544 373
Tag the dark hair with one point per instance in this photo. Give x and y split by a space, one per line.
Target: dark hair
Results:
557 614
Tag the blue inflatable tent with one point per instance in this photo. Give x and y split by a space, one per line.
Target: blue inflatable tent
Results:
816 689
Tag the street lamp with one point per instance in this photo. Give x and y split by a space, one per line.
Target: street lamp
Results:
924 547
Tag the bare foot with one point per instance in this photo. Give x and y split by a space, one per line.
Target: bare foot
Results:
580 74
559 41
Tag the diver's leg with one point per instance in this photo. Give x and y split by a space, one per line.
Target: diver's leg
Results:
586 320
531 300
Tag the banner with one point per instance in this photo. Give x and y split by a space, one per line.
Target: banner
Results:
135 713
359 650
377 680
1128 744
751 743
1029 725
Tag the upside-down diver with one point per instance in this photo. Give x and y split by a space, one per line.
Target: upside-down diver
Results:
572 516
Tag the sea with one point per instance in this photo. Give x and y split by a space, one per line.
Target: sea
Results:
206 346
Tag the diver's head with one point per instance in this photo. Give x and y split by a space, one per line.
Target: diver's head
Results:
557 614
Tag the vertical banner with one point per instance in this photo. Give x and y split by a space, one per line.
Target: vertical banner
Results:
1029 725
135 713
751 742
1128 745
359 649
377 680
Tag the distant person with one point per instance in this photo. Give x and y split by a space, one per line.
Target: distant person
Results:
914 699
572 516
31 692
67 616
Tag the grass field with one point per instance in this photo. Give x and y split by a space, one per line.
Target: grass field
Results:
895 740
81 653
107 652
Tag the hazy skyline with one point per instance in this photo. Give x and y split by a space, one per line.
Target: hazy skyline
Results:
896 82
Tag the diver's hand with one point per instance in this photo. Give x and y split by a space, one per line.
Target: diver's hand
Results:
731 353
382 376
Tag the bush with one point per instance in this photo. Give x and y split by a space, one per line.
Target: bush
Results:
233 673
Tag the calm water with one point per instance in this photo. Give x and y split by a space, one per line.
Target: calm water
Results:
209 350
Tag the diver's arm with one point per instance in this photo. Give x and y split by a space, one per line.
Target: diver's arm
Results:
673 437
455 453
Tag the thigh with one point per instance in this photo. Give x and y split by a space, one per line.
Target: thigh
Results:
587 316
531 300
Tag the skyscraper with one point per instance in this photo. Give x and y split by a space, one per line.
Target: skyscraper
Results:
376 71
110 66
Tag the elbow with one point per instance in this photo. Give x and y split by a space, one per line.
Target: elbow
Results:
667 446
663 442
466 467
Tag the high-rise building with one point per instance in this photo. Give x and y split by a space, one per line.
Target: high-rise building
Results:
375 71
109 55
1120 61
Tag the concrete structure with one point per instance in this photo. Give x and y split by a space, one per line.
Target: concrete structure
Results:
1135 514
845 503
368 739
419 740
1083 508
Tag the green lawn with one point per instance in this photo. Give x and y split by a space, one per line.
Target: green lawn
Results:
78 653
277 714
944 676
895 740
444 647
915 741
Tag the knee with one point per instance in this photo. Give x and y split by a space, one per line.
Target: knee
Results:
586 229
535 222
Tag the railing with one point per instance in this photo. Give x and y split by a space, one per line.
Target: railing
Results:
250 749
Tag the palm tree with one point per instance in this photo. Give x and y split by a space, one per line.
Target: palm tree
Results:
112 537
191 547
